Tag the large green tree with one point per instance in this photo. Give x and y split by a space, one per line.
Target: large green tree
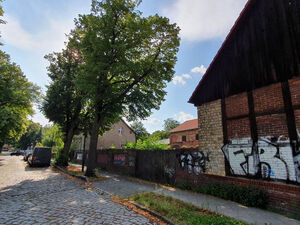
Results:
139 129
17 95
64 103
128 61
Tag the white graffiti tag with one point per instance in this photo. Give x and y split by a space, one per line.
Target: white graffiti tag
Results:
264 159
194 161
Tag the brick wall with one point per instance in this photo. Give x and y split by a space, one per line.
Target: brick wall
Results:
282 197
191 142
211 136
268 99
237 105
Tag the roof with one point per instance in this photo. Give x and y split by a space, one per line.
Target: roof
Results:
258 51
130 128
187 125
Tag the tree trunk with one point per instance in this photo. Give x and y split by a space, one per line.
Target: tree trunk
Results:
90 171
1 146
68 143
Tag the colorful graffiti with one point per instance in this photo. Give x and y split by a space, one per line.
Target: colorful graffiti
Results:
195 162
268 158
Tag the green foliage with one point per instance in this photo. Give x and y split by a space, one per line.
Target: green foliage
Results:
64 104
16 98
170 124
149 143
160 135
61 159
52 137
249 195
180 212
140 130
32 136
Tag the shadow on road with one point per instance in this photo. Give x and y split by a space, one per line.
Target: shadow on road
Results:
35 168
37 186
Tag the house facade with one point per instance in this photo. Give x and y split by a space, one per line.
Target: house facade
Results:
185 135
117 137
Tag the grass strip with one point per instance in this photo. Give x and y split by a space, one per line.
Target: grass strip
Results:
180 212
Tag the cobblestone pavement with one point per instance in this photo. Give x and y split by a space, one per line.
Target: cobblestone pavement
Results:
41 196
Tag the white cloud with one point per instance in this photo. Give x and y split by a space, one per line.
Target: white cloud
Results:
182 117
202 69
201 19
153 121
186 76
179 80
46 41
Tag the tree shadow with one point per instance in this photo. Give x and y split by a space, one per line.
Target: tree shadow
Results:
54 183
36 168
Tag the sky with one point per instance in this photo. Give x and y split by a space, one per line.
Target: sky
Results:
35 28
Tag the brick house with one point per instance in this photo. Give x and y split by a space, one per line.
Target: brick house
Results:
185 135
248 101
119 134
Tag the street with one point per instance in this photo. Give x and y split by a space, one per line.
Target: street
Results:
42 196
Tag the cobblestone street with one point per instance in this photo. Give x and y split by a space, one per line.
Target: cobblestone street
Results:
42 196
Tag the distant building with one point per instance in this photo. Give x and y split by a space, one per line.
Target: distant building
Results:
117 137
185 135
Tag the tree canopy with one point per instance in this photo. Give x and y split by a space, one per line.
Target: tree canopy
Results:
127 62
31 137
139 129
17 95
170 124
64 103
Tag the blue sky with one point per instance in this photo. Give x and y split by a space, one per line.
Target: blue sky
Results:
38 27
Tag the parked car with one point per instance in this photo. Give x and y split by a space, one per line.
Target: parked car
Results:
27 154
41 156
17 153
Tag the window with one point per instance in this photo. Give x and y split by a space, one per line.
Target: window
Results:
197 137
183 138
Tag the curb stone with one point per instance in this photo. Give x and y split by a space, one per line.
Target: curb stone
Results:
84 178
164 219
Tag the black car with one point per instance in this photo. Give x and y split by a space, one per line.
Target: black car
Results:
17 153
40 156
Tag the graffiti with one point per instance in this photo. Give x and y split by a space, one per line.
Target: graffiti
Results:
268 158
195 162
169 171
119 160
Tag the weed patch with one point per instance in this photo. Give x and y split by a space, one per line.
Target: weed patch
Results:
180 212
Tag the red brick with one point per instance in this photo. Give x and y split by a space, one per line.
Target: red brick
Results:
268 98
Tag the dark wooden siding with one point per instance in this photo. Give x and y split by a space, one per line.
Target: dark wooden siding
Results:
263 48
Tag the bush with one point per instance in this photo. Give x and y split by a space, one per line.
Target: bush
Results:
61 159
150 143
249 196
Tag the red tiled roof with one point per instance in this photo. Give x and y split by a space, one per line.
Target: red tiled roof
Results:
187 125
